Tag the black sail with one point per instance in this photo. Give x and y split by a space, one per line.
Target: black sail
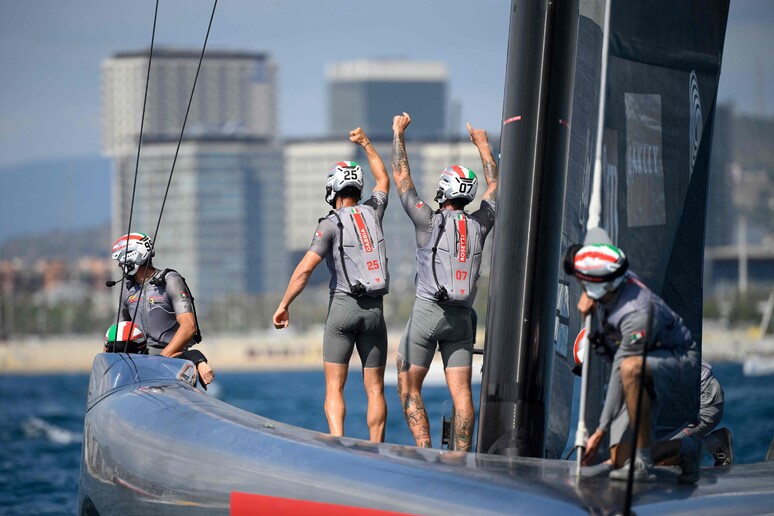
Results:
663 73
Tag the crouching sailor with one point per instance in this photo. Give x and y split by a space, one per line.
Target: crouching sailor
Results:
685 441
627 317
159 302
351 241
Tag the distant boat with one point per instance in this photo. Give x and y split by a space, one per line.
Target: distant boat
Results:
758 365
155 444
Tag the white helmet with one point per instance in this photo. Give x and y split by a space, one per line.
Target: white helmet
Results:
340 176
456 183
600 268
133 250
125 337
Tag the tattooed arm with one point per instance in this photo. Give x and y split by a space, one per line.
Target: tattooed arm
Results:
479 139
400 166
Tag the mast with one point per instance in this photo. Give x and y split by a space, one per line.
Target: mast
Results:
534 146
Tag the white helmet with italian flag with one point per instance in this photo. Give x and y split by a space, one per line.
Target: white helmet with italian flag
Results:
456 182
133 250
600 268
125 337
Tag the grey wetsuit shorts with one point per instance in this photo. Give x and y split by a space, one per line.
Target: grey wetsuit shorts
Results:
675 381
431 324
355 322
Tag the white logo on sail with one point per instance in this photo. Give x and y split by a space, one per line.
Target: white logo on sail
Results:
694 132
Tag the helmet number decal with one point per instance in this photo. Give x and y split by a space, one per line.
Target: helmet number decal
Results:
350 175
465 187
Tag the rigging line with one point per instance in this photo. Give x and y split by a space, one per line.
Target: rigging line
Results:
134 186
182 130
627 509
144 267
594 216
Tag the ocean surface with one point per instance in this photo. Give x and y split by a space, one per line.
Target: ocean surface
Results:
41 422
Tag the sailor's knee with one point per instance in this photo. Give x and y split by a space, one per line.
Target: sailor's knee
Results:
631 368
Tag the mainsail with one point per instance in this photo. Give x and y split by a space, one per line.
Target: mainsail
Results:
662 79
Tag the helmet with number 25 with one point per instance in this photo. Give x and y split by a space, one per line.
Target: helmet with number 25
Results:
340 176
456 182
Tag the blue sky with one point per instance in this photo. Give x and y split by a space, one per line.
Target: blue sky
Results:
50 53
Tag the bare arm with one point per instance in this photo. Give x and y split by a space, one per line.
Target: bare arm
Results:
185 331
377 165
480 140
400 167
296 284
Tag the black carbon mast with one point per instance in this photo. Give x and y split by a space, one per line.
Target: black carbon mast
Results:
534 144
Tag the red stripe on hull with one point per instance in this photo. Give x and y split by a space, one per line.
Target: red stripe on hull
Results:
244 504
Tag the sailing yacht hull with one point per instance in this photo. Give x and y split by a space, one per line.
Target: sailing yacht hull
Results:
154 443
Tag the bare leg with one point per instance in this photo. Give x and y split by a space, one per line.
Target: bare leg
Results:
667 453
413 408
619 454
630 378
402 379
458 380
373 381
335 409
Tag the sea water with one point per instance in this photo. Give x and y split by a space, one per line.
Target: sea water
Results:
41 422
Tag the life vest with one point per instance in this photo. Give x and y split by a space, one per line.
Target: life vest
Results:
160 279
456 258
362 254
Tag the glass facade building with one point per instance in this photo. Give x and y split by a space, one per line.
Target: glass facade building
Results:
221 225
368 93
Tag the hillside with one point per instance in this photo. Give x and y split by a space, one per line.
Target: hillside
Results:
64 195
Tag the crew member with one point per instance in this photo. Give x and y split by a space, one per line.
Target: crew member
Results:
449 245
669 453
351 240
159 302
622 310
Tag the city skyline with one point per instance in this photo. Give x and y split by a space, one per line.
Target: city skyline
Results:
53 51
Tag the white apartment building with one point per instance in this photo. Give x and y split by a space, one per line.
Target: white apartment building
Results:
236 94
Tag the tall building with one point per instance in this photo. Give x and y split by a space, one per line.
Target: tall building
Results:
220 220
216 227
368 93
235 94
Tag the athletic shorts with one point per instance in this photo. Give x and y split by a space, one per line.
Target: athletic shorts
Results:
355 322
676 385
446 326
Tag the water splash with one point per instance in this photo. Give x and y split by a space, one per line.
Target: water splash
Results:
36 428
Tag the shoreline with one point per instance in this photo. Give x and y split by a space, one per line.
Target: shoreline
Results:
289 351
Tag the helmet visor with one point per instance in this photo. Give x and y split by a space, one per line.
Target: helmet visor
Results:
595 290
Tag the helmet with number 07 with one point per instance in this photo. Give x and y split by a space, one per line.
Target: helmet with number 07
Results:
133 250
340 176
456 183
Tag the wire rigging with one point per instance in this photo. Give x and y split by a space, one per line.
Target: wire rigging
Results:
185 120
144 267
136 170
